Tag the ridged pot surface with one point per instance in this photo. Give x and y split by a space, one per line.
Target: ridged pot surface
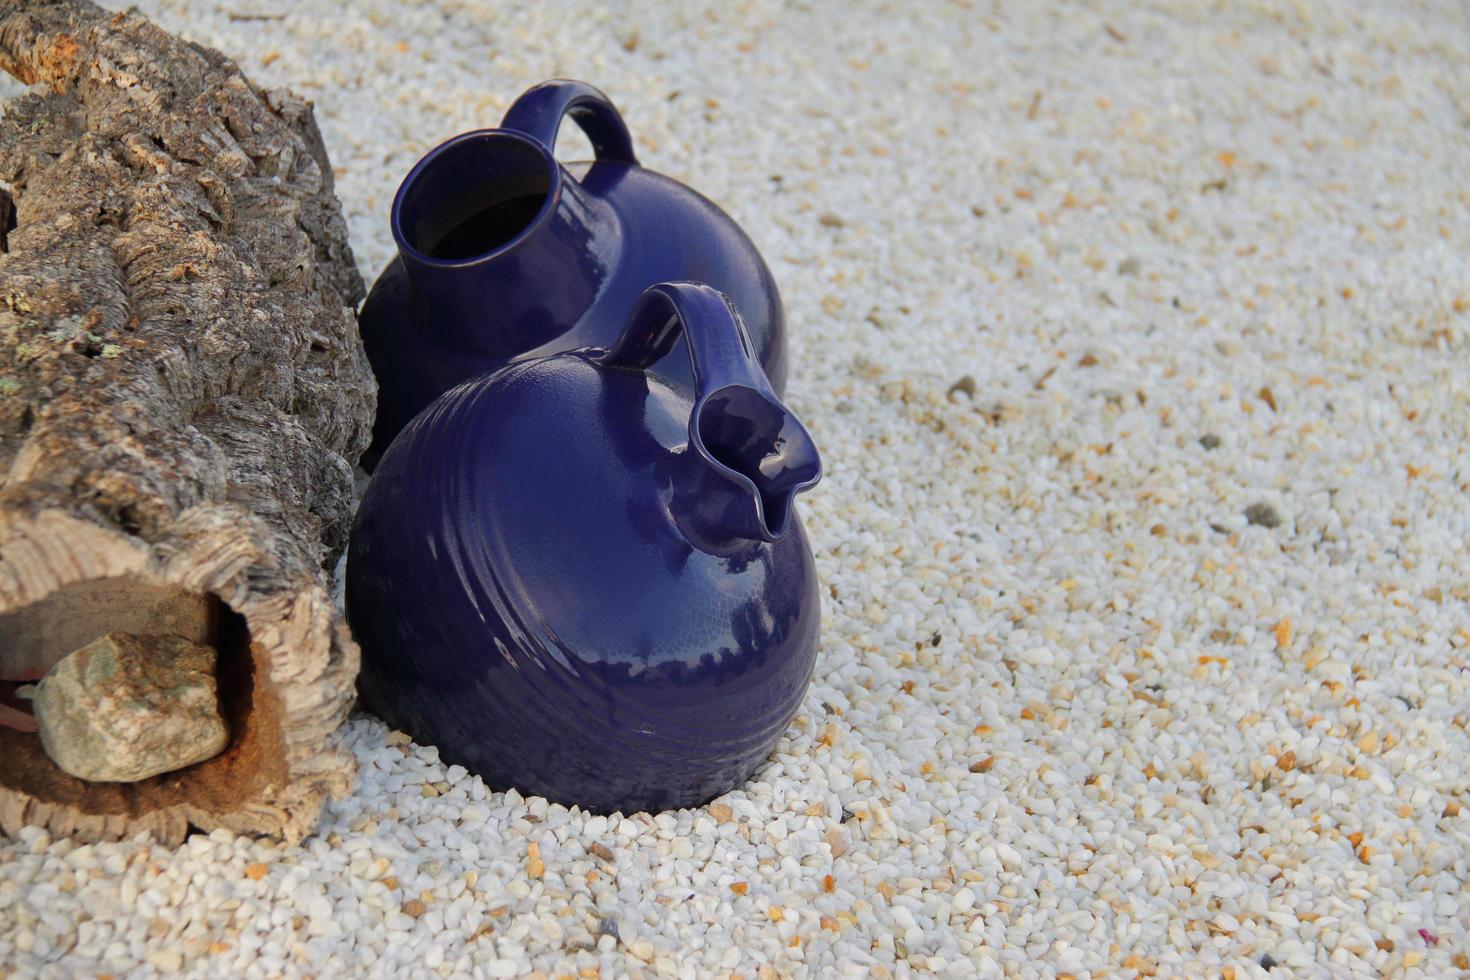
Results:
577 580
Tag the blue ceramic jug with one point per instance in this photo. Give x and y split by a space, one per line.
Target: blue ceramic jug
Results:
582 581
505 254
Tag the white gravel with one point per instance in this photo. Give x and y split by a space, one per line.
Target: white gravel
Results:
1074 712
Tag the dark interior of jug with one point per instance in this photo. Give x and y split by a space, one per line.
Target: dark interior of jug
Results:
474 196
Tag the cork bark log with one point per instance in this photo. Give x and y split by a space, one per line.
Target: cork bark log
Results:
183 395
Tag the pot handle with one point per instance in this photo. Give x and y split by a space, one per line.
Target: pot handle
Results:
719 346
749 455
539 111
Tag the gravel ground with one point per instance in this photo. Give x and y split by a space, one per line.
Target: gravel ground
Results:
1134 336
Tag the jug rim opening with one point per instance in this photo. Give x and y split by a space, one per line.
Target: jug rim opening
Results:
441 156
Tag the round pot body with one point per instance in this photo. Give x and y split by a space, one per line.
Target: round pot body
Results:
577 579
505 255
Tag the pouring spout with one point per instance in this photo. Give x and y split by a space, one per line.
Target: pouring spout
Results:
760 453
748 455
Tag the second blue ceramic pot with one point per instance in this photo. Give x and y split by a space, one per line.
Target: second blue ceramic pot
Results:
583 582
504 254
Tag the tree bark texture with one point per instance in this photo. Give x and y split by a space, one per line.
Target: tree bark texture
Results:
183 395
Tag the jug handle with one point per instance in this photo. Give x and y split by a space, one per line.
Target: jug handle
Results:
719 346
539 111
751 455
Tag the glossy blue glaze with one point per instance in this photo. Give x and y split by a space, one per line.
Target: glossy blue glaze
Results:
583 581
560 259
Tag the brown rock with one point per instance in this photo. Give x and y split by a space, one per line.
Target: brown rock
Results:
185 397
127 707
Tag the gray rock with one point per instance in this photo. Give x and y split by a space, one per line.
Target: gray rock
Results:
126 707
1263 515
